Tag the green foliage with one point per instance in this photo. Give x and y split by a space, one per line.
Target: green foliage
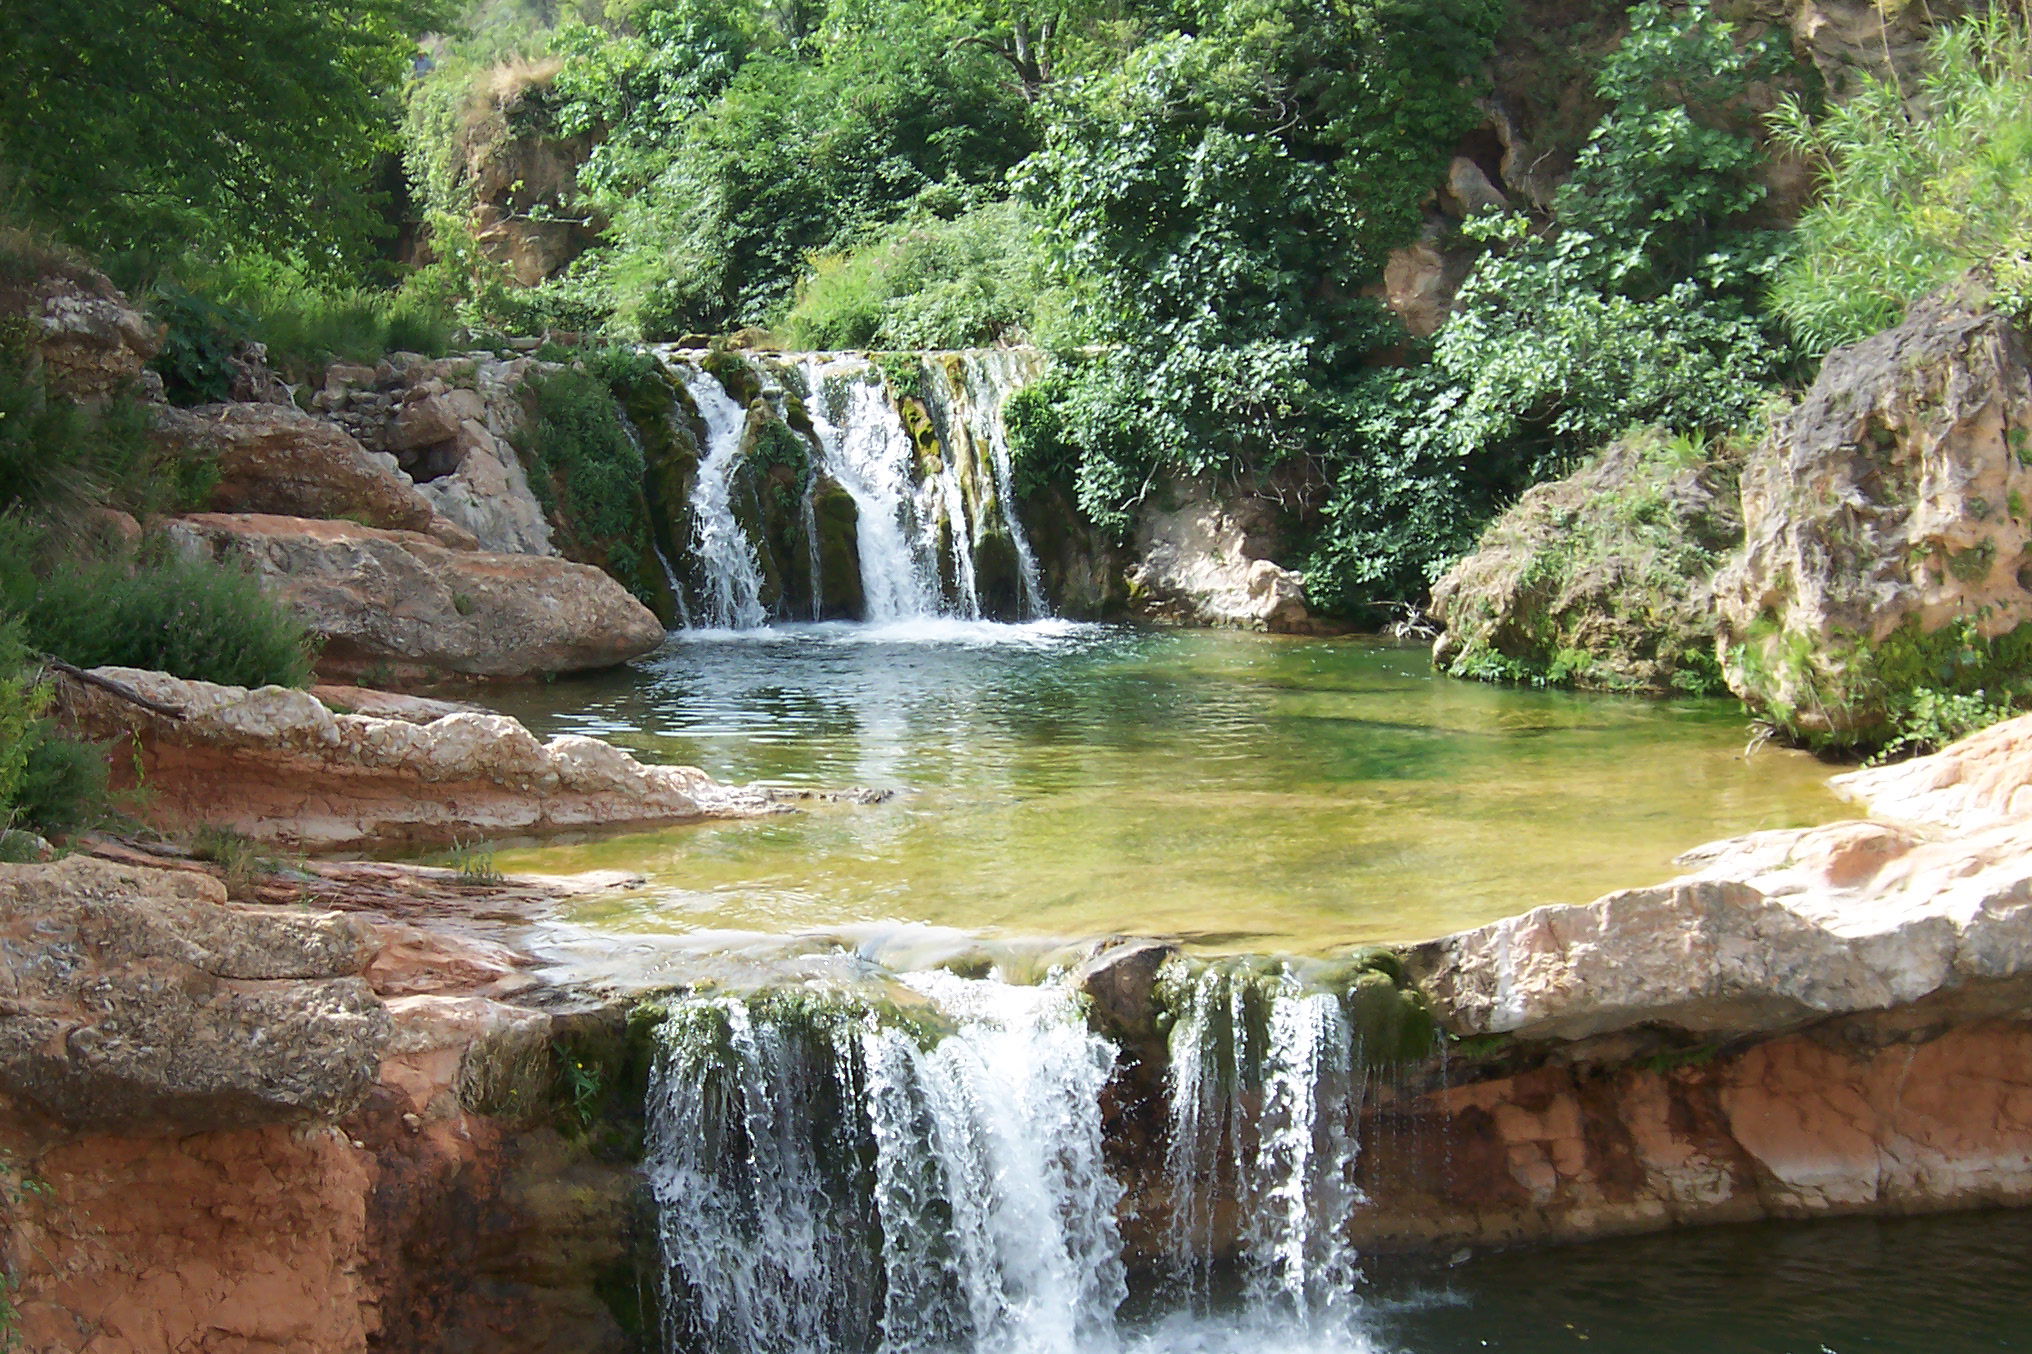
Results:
1910 201
1639 304
735 154
49 783
588 470
1910 691
147 609
1218 202
215 310
134 124
925 282
1925 720
58 458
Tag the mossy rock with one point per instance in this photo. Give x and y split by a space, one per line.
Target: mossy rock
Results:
1601 580
839 552
998 576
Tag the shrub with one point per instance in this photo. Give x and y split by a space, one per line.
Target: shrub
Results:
148 609
1915 191
925 282
49 783
58 458
588 470
212 312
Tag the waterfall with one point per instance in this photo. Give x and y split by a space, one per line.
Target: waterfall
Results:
1266 1087
919 450
731 578
835 1174
926 1171
991 377
867 449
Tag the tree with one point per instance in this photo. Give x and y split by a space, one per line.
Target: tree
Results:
133 123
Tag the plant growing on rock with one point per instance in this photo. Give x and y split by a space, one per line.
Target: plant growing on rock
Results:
1916 187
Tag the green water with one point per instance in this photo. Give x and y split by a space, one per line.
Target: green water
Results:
1243 792
1954 1284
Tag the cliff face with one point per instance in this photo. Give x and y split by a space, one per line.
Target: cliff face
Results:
257 1129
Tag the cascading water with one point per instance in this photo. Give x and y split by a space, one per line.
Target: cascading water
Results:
927 1174
991 377
865 448
831 1175
1265 1090
732 592
927 521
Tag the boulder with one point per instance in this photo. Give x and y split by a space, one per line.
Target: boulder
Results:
280 766
274 458
1887 532
1600 580
1203 561
400 606
93 343
141 1001
1781 929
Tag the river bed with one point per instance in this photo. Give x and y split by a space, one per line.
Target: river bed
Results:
1242 792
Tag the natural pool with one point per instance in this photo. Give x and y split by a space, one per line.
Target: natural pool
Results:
1250 794
1245 792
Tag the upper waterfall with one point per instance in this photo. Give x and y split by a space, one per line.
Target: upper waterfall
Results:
847 486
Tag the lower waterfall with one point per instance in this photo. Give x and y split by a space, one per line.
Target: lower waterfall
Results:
926 1171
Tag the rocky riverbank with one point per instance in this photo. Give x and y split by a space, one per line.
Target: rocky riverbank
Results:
354 1116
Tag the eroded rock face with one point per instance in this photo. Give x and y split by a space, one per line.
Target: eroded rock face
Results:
403 607
93 343
142 1001
1890 505
436 1204
1204 562
279 766
449 424
1605 574
274 458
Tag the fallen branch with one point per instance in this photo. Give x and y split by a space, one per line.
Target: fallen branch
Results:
111 688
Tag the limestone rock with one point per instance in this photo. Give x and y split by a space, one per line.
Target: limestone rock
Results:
1890 504
1604 574
92 341
1202 562
274 458
279 766
404 607
449 424
1983 781
1777 929
140 1000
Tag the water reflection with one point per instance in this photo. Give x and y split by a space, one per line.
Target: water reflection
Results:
1070 779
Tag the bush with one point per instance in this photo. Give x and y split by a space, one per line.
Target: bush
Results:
49 783
58 458
1911 201
211 313
925 282
148 609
